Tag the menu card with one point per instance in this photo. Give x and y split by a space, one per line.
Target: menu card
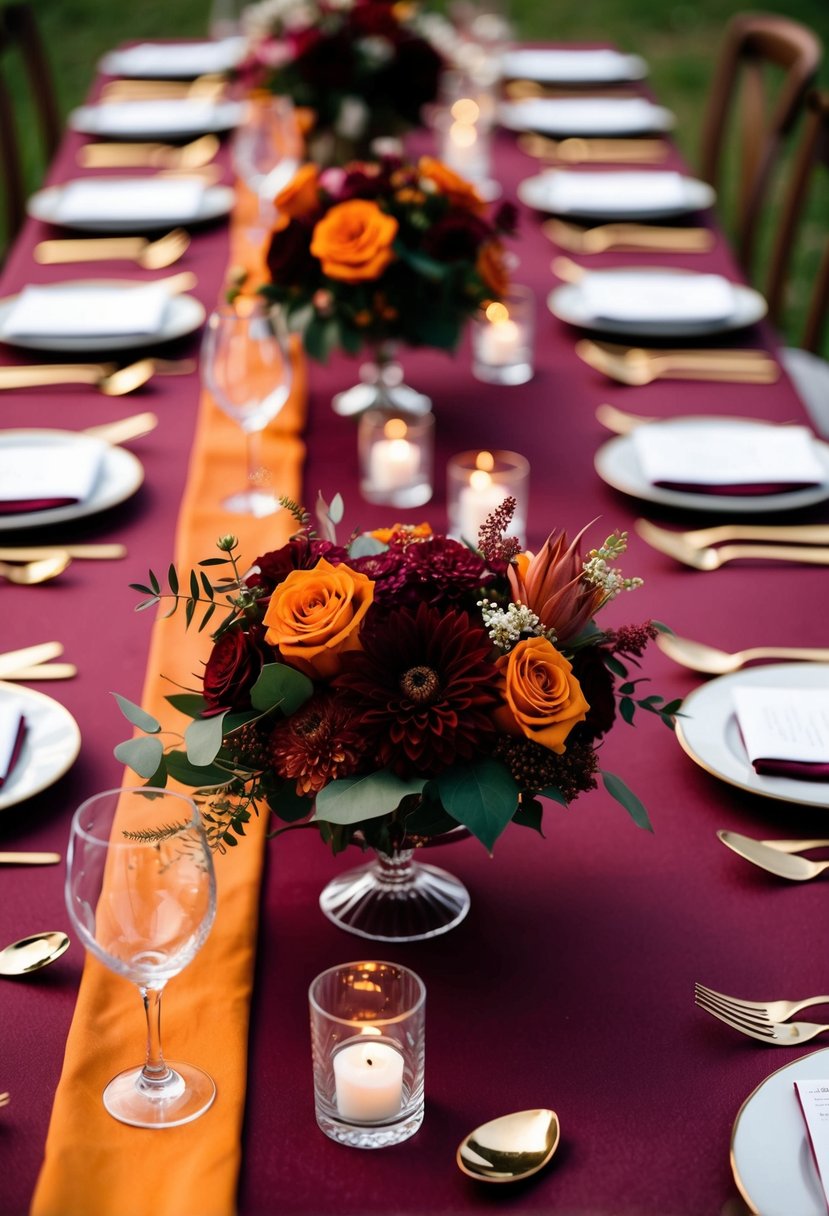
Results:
567 190
813 1097
78 310
669 297
12 734
130 199
39 476
738 458
785 730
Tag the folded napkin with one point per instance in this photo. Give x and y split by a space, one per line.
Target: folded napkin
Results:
35 477
785 730
727 459
82 310
652 298
12 735
565 190
132 199
582 116
181 59
566 66
140 117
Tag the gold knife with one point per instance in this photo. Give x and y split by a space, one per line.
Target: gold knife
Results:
93 552
28 656
29 859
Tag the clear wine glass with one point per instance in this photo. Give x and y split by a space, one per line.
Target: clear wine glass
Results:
246 366
267 151
141 892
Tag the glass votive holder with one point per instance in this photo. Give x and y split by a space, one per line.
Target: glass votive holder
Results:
477 483
502 339
368 1045
396 453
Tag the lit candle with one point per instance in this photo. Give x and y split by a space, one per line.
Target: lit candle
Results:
479 498
501 340
394 462
368 1079
461 151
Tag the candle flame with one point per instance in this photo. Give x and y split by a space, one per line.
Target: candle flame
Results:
485 460
497 313
466 110
395 428
370 1030
462 135
479 480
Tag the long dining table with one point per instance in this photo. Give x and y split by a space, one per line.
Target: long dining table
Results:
570 984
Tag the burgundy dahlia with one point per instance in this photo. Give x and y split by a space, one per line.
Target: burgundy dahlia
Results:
301 553
422 689
436 571
317 744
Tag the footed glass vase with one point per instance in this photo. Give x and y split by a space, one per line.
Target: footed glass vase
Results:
396 899
381 387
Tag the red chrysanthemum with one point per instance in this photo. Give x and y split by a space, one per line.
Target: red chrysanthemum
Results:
316 745
422 689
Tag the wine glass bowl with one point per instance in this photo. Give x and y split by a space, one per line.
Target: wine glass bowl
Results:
267 151
141 892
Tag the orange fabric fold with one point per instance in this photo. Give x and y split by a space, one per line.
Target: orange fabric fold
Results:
95 1166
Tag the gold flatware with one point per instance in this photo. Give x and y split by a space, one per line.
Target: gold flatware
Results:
637 366
5 1098
701 538
154 155
209 87
576 150
151 255
32 953
712 559
567 270
28 656
782 863
92 552
622 422
29 859
210 174
769 1011
124 429
29 574
774 1032
519 90
108 378
711 661
627 236
44 671
511 1147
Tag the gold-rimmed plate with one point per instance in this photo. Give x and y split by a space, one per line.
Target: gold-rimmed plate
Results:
50 747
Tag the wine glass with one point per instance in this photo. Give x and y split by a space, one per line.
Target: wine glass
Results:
246 366
141 892
267 151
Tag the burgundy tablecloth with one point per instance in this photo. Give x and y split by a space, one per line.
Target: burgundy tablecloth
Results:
571 982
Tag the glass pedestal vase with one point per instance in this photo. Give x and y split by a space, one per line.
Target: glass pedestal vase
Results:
396 899
381 387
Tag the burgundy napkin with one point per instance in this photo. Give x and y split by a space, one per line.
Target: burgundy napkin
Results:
15 752
801 770
19 505
744 490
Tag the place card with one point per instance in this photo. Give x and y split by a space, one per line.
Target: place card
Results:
813 1097
566 190
130 199
657 297
76 310
40 476
12 734
738 458
785 730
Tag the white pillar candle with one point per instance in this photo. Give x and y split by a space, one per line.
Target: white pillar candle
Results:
476 501
368 1079
394 461
500 339
461 149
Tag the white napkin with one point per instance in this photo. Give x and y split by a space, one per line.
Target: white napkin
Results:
181 59
555 65
77 310
784 723
50 471
657 297
565 190
130 198
137 117
582 115
12 726
727 455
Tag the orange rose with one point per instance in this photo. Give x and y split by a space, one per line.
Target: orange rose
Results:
492 268
457 189
300 198
412 531
543 699
315 615
354 241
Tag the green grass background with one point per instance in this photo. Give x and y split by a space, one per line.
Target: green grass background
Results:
679 40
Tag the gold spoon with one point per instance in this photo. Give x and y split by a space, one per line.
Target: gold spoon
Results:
31 573
111 381
765 855
708 659
576 150
155 155
799 534
511 1147
151 255
31 953
638 366
627 236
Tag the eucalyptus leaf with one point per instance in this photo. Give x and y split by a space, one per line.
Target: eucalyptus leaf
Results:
365 545
280 685
353 799
482 796
180 769
142 755
336 509
617 789
189 703
203 739
137 716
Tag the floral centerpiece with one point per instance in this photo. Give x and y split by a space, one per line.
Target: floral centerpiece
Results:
363 67
399 686
383 251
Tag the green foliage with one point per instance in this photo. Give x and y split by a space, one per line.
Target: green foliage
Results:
356 799
482 796
617 789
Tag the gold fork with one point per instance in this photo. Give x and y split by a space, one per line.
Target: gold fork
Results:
5 1098
701 538
775 1032
576 150
627 236
636 365
711 559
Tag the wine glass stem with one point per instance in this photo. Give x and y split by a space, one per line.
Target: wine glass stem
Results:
155 1070
254 457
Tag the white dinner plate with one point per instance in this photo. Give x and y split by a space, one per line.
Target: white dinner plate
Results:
549 66
183 315
50 747
174 61
562 117
617 464
707 730
535 193
43 205
569 304
770 1155
173 120
120 475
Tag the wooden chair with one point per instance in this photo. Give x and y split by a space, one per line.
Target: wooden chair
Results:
758 48
20 25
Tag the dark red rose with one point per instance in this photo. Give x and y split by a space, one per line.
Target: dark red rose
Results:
299 554
324 60
231 671
375 19
289 257
456 238
410 81
597 684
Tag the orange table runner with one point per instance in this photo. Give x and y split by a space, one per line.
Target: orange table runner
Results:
95 1166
